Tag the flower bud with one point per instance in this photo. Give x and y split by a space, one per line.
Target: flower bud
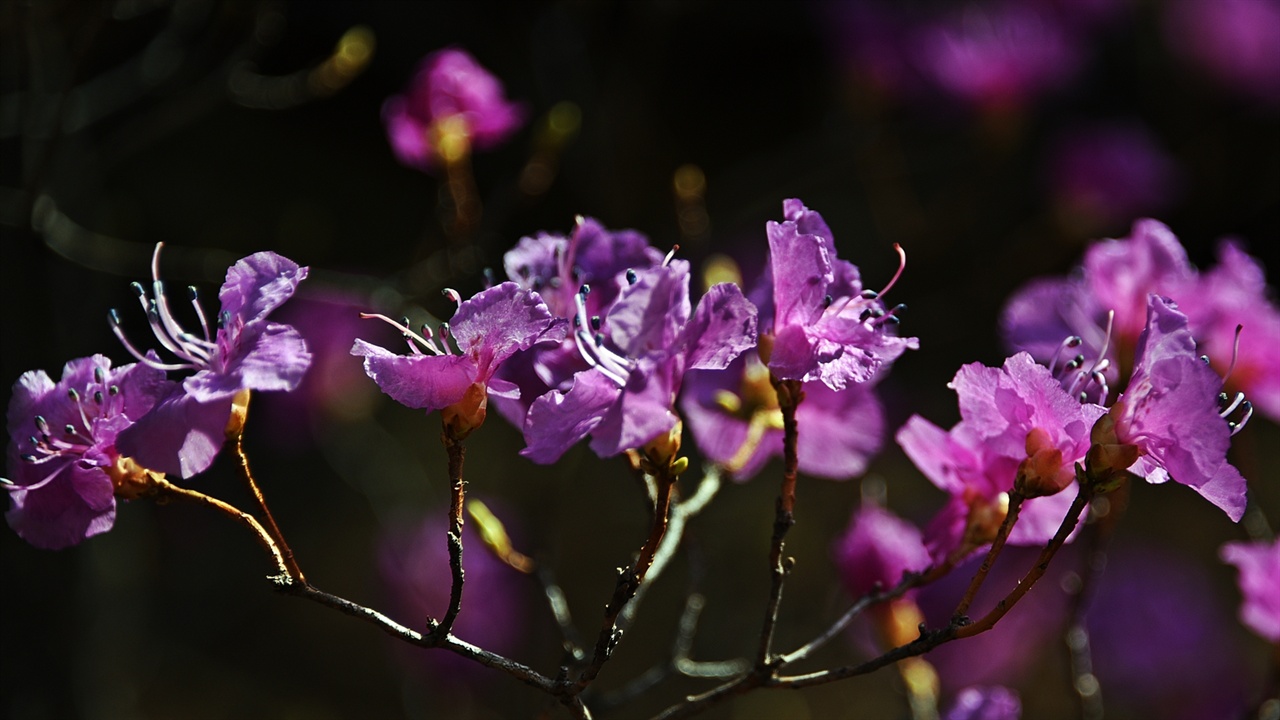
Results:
1042 472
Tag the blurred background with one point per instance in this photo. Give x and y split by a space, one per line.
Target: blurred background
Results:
992 139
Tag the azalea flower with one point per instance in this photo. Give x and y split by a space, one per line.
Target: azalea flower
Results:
1018 424
625 400
736 421
825 326
65 467
487 329
1167 424
877 550
1259 566
451 105
556 267
985 703
184 432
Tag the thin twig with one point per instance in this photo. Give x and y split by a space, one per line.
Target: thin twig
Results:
789 396
242 465
1011 517
457 455
166 489
629 581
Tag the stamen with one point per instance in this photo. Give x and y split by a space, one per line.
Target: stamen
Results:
99 376
826 301
670 255
194 295
1235 354
1071 342
42 425
113 318
632 277
596 322
453 295
490 279
902 264
1239 399
404 330
1248 413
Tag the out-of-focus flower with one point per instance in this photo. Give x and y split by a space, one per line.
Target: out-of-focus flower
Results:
825 326
451 105
1259 566
1234 294
985 703
877 550
556 267
625 400
997 54
1170 414
487 328
65 468
735 419
1235 42
1163 645
1010 650
1118 275
1017 425
1104 173
413 559
183 434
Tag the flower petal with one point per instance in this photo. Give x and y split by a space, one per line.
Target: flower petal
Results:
429 382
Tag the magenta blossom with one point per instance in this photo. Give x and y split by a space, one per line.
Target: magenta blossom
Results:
736 421
1259 566
985 703
487 328
1107 172
62 446
825 326
1234 42
451 104
183 434
1017 424
625 400
877 550
1170 414
555 267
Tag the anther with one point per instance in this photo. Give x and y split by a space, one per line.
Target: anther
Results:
632 277
114 390
490 279
73 396
97 397
69 429
826 301
585 290
137 288
899 308
99 376
869 295
599 338
42 425
1204 359
595 322
453 296
28 457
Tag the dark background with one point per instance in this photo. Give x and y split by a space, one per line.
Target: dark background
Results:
123 126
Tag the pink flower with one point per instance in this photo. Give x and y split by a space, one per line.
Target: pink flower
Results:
1259 566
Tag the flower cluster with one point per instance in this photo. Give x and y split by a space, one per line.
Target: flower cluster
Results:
100 433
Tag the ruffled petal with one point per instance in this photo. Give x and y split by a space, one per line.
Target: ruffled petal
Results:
430 382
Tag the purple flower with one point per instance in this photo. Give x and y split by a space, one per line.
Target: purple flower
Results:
183 434
451 104
1105 173
1234 294
825 326
997 55
735 420
1170 414
1017 422
1259 566
555 267
413 559
487 328
985 703
625 400
1118 275
62 447
1163 644
1235 42
877 550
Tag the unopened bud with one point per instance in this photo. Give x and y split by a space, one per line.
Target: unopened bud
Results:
1042 472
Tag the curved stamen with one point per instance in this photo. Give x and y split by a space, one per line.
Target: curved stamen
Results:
454 296
1234 404
1071 342
113 318
405 331
671 254
1235 354
902 264
1238 426
194 295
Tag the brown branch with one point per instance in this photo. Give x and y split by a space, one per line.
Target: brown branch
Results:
166 490
790 393
629 581
457 455
235 437
1011 517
